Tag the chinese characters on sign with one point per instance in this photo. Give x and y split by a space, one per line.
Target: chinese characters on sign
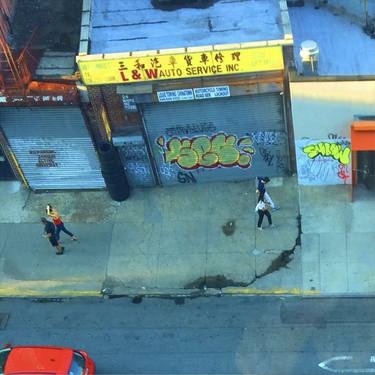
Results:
187 65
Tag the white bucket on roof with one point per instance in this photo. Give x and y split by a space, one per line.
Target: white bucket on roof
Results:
309 53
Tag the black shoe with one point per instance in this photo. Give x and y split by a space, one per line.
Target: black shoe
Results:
61 252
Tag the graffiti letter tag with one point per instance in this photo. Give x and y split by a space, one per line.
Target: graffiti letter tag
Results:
328 149
207 152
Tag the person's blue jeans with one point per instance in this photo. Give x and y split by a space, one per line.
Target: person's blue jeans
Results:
61 227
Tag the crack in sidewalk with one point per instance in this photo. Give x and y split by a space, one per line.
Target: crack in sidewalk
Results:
284 258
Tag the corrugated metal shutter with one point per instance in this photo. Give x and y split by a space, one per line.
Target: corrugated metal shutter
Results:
256 142
52 147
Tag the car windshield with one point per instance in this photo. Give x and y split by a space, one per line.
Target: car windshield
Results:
3 357
78 365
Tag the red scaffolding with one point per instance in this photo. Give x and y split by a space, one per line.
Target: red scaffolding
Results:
15 66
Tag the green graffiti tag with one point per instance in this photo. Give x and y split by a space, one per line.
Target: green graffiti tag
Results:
328 149
207 152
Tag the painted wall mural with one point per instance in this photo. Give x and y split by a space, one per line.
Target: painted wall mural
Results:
324 161
218 150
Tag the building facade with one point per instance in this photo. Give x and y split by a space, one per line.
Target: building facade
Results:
45 139
193 113
333 106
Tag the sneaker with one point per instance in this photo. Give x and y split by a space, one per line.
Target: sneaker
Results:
259 228
73 238
272 226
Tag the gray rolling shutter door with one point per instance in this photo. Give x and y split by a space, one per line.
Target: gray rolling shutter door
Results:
52 147
259 118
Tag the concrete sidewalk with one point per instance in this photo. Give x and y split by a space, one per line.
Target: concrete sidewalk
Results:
190 239
338 240
163 240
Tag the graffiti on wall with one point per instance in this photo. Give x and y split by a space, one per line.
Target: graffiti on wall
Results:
185 130
323 162
273 158
330 150
135 159
267 137
186 178
218 150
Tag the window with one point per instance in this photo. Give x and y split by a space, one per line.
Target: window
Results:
78 365
3 358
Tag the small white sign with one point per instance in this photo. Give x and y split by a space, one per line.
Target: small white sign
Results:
211 92
175 95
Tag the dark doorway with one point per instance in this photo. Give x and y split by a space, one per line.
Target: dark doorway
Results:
6 172
366 169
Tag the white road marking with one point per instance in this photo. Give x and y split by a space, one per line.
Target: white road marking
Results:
324 365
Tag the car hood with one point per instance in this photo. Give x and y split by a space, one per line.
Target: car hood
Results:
38 360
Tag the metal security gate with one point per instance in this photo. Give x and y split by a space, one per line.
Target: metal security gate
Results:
52 147
218 139
135 159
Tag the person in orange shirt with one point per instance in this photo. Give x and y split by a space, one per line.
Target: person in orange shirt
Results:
58 223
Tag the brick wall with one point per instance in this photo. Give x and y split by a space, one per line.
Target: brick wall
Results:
113 101
105 98
94 113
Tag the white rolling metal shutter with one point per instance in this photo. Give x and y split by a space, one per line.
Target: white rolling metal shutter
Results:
52 147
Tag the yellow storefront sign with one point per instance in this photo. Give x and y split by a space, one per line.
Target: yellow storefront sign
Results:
174 66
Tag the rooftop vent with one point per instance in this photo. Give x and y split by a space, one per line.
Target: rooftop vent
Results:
309 53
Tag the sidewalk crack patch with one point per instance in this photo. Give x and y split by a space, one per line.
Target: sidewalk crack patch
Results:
284 258
216 282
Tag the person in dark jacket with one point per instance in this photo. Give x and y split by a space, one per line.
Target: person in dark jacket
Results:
261 190
50 233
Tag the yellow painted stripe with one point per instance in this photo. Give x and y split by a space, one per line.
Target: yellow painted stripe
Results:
10 292
28 292
19 170
311 292
274 291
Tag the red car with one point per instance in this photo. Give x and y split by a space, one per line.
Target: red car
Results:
45 360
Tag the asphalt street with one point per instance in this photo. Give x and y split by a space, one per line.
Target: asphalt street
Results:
216 335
